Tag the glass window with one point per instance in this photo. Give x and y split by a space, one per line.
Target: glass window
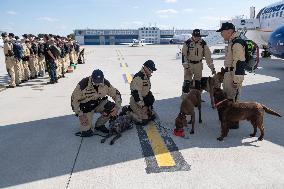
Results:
277 14
281 13
273 15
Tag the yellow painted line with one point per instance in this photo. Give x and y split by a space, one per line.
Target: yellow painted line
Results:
128 77
123 65
162 154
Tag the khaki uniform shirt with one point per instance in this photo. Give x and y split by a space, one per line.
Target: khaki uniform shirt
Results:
85 91
195 51
8 48
141 85
234 53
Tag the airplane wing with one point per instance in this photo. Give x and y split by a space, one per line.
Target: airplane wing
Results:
125 43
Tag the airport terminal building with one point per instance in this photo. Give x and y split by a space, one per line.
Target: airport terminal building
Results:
118 36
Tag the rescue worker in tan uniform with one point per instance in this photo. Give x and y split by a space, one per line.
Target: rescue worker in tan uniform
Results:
234 64
193 51
26 58
9 61
19 42
89 97
142 99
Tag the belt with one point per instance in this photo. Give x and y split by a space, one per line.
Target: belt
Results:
194 62
7 55
91 105
229 69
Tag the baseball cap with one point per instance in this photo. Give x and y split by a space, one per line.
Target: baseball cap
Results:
150 64
196 33
226 26
98 76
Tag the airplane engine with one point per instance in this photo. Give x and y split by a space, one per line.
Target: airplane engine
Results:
276 43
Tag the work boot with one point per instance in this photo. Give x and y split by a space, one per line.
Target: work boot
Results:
102 128
234 125
87 133
142 123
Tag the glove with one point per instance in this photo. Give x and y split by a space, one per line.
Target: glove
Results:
185 65
141 104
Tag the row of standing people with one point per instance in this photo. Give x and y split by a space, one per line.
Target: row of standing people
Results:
31 57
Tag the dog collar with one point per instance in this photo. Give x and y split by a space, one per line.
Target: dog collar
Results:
219 103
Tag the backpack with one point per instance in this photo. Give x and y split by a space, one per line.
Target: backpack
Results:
18 51
251 53
40 49
55 51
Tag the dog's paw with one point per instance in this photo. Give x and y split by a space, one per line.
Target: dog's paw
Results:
103 141
111 143
220 139
252 135
260 138
191 132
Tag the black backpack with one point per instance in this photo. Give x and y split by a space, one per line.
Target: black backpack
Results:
18 51
250 49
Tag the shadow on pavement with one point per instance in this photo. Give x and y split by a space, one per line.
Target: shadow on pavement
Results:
46 148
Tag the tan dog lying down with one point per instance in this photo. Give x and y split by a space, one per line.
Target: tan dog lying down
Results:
191 100
230 112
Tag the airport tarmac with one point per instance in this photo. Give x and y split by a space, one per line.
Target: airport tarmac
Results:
38 148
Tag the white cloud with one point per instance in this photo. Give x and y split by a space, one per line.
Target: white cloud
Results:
167 11
47 19
187 10
170 1
11 12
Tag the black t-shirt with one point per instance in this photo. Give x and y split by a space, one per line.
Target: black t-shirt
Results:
46 49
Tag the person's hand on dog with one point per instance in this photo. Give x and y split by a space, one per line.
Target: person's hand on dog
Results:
114 111
141 104
83 120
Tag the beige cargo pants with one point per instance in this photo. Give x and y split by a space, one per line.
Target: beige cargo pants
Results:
102 120
232 92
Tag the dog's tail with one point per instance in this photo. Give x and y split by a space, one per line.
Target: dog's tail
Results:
270 111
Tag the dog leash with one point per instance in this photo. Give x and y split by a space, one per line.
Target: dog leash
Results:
93 134
78 151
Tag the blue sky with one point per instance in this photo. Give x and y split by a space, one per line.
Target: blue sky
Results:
63 16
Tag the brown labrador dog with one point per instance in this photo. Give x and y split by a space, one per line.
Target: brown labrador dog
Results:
209 83
235 111
192 99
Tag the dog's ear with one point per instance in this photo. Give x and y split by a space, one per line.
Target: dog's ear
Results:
222 70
